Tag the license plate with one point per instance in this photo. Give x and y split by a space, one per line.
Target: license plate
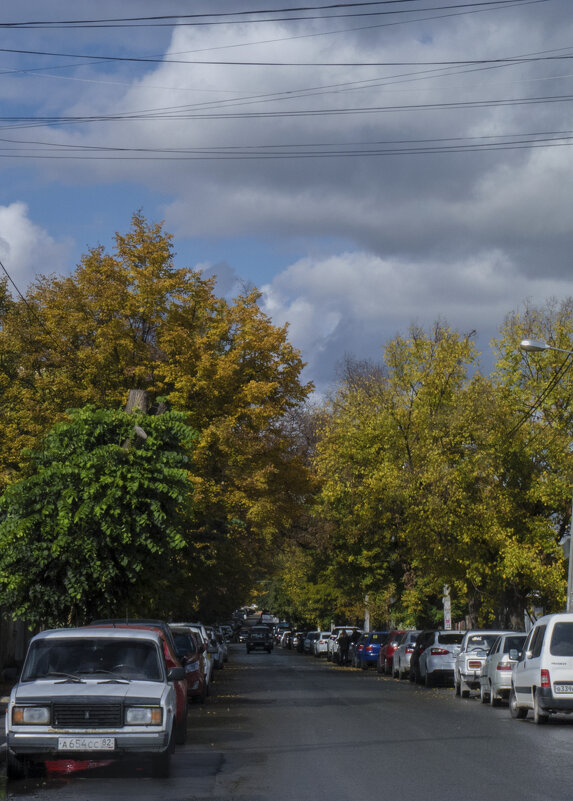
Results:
563 688
86 743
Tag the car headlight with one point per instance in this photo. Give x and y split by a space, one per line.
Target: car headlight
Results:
31 715
144 716
190 667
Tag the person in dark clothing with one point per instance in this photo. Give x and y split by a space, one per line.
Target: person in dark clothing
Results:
343 643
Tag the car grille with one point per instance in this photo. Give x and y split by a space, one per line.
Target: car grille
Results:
82 716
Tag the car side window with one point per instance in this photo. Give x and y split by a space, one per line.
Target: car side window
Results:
537 643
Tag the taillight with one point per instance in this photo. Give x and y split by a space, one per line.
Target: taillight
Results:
473 664
504 666
545 680
369 647
439 651
408 650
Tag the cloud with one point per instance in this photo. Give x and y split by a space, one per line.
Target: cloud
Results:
26 249
353 303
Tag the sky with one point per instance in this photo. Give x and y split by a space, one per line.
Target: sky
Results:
367 166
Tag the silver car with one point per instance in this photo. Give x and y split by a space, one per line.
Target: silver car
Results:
436 662
87 693
495 678
471 657
403 654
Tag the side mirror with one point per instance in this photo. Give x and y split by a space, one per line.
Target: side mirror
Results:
514 654
176 674
456 650
529 655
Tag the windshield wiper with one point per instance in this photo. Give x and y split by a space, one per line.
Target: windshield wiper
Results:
65 676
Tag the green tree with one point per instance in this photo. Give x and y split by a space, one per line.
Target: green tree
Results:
133 320
100 518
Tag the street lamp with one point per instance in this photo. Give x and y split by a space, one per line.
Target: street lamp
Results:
535 346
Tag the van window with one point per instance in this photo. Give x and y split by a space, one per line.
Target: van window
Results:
537 641
562 640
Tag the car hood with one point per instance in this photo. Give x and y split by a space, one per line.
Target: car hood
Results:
55 690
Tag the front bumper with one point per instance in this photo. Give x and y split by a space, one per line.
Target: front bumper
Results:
46 744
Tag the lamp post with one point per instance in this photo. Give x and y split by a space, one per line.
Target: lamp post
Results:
535 346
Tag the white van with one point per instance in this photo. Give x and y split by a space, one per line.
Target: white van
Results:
542 679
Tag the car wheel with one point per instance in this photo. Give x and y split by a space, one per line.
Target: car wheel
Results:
363 664
181 730
379 668
161 765
464 692
493 699
515 710
428 680
16 767
456 685
539 715
483 694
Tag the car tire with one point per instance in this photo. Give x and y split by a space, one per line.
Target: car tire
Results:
539 715
161 765
493 699
16 767
181 730
517 712
484 695
464 693
456 686
363 664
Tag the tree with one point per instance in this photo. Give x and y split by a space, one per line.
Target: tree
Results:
102 514
133 320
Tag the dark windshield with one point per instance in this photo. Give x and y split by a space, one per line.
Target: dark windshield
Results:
481 641
88 656
451 639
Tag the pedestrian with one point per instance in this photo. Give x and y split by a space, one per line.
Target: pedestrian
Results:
343 643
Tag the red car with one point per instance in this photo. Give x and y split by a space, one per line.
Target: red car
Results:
192 656
171 660
385 657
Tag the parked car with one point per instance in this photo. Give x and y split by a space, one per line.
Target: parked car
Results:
286 639
215 648
385 661
321 643
332 645
436 662
368 648
191 654
423 639
470 659
93 691
542 679
495 678
309 641
403 653
260 638
297 641
208 665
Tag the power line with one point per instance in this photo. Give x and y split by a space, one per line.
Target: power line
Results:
203 19
160 60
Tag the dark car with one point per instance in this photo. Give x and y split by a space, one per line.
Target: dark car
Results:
423 639
260 637
191 656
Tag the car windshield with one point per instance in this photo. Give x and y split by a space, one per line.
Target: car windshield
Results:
481 641
94 657
562 640
378 636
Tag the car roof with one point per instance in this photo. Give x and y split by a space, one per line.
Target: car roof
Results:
100 633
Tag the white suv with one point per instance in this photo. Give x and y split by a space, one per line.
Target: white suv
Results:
542 678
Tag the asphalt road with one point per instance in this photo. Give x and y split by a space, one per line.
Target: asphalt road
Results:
286 727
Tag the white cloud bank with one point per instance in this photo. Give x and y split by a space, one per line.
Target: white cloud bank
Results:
353 303
26 249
